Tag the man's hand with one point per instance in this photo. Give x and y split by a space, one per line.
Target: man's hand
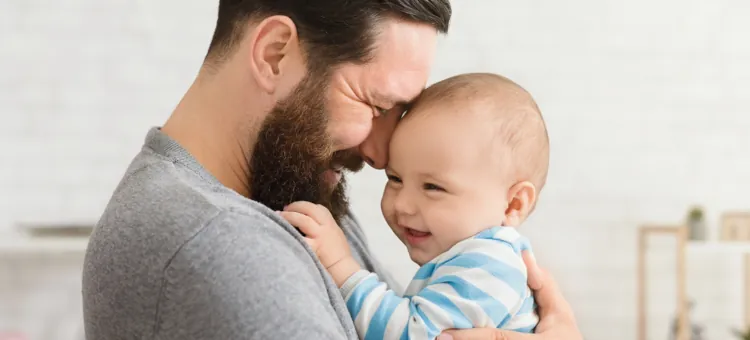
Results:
557 321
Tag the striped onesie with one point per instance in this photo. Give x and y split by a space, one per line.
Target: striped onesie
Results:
478 283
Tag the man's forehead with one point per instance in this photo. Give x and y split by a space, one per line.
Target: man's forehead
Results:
406 40
398 81
402 61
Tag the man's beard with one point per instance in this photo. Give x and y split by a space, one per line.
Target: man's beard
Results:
293 151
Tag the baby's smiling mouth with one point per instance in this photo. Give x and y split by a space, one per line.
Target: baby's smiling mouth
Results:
414 236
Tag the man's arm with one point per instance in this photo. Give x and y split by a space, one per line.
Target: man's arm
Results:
245 277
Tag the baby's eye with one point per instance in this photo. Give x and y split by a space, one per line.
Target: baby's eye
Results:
435 187
394 179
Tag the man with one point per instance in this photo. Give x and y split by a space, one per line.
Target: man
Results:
290 95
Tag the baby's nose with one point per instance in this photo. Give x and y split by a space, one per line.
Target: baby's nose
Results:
403 204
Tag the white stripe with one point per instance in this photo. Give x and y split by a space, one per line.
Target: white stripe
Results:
522 321
414 287
494 287
351 284
507 234
369 307
417 330
472 310
499 252
437 315
518 307
398 321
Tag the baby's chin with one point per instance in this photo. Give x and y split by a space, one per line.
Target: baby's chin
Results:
417 260
419 257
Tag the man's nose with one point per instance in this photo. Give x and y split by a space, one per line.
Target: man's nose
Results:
374 149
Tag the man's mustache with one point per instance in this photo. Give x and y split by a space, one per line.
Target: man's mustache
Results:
347 159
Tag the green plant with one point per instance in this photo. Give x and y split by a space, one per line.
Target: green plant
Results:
695 214
742 335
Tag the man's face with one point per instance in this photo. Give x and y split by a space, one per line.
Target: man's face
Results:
335 123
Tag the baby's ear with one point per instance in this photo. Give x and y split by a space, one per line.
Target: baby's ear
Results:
521 199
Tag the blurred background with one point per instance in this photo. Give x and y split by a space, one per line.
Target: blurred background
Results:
646 103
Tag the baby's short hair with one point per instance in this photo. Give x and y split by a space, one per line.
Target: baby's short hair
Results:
520 128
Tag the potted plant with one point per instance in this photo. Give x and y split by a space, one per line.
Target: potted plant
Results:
695 330
742 335
696 224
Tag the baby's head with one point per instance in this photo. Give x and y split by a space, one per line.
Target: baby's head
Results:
471 153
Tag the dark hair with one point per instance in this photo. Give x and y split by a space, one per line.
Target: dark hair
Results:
331 31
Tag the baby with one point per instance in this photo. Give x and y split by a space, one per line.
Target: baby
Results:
466 165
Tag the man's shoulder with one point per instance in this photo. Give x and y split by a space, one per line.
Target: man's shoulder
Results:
186 249
243 246
159 206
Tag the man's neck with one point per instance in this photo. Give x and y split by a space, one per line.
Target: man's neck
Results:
213 124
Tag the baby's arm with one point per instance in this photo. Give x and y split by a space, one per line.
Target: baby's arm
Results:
325 237
482 288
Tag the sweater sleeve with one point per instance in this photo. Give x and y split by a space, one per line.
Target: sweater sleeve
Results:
482 287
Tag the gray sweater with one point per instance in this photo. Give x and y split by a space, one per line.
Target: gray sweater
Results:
176 255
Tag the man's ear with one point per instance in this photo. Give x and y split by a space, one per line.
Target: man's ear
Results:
275 45
521 199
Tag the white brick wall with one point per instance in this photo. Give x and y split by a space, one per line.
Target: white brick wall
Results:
645 101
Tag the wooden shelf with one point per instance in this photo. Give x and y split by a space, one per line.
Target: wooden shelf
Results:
679 233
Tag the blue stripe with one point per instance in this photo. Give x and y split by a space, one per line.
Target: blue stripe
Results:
487 234
520 245
432 330
380 319
504 272
360 293
528 306
459 319
527 329
524 244
405 333
493 308
425 271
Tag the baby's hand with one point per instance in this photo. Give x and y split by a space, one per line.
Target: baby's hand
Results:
322 233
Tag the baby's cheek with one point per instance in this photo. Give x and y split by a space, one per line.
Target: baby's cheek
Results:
453 228
443 228
452 236
386 205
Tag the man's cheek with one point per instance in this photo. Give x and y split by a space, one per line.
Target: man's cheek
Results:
350 135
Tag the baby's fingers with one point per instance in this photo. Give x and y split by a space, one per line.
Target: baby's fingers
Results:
304 223
316 211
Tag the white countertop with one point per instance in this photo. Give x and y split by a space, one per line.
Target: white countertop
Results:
20 244
734 247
